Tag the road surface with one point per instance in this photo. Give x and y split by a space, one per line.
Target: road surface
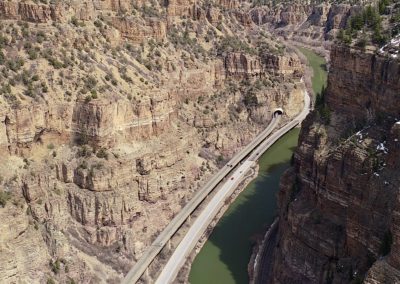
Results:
195 232
154 249
178 258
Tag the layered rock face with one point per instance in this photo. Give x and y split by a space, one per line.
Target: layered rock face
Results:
138 32
299 20
339 202
129 27
305 22
240 64
112 115
103 122
178 8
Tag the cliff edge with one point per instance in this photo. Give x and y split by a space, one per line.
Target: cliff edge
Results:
339 202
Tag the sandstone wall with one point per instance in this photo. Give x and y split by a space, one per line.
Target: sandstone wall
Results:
374 79
104 122
241 64
88 10
304 22
340 200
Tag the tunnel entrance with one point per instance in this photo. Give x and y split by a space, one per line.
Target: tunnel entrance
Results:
278 111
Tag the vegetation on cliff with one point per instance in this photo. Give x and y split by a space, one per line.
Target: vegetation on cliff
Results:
112 114
372 25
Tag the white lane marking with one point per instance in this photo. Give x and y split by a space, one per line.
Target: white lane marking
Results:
201 223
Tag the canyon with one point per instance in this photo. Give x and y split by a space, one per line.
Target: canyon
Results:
112 116
114 113
338 203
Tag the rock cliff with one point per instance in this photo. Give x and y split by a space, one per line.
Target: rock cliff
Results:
338 204
306 22
239 64
112 115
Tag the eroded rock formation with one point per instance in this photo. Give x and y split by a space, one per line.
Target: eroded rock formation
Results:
112 115
339 202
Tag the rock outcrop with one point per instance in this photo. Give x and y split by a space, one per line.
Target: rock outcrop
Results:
241 64
138 32
339 202
244 65
305 22
112 115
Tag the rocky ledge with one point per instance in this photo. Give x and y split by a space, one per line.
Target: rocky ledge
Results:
339 203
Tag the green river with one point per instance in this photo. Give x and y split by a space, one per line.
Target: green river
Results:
225 255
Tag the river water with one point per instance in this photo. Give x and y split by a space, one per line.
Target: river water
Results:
226 254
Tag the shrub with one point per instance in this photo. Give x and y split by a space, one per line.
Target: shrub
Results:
90 82
76 22
150 11
362 43
55 266
83 165
3 41
45 89
127 78
82 138
40 37
234 44
4 197
2 58
325 114
55 63
94 94
84 151
102 154
98 23
250 100
16 64
88 99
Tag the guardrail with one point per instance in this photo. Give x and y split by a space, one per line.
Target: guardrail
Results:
178 258
140 267
155 248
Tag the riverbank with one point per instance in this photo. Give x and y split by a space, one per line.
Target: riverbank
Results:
224 256
183 276
262 252
258 268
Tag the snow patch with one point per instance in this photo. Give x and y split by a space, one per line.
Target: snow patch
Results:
382 147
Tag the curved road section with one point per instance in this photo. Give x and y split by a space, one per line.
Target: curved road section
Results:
184 248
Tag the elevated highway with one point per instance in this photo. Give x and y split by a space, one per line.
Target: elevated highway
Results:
178 258
197 229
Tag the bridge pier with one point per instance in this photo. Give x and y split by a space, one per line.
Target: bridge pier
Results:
169 244
146 273
189 219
